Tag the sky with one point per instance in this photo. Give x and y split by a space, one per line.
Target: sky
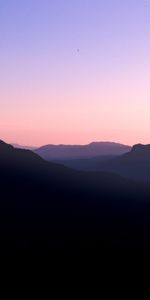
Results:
74 71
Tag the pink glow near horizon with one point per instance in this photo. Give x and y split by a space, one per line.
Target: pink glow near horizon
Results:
119 113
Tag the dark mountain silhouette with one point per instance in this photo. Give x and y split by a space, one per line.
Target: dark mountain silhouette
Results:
54 152
46 208
86 164
134 164
23 147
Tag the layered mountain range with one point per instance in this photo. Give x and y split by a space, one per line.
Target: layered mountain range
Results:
132 162
47 208
54 152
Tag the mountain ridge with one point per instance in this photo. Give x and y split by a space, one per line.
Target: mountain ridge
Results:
134 164
23 146
52 152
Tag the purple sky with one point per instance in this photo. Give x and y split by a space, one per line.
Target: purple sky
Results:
74 71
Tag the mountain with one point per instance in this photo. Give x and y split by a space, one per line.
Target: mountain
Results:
86 164
55 152
23 147
134 164
48 209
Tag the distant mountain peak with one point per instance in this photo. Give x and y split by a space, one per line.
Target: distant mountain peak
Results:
53 152
141 148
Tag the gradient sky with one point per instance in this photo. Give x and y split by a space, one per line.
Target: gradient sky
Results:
74 71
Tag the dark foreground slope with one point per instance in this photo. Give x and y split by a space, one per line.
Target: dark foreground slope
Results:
49 209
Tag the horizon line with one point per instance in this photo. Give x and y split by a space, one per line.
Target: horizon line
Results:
67 144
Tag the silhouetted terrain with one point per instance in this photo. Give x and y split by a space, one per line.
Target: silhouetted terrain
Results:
49 209
55 152
23 147
135 164
96 163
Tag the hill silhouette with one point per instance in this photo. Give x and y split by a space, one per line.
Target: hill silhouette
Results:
54 152
23 147
95 163
46 208
134 164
